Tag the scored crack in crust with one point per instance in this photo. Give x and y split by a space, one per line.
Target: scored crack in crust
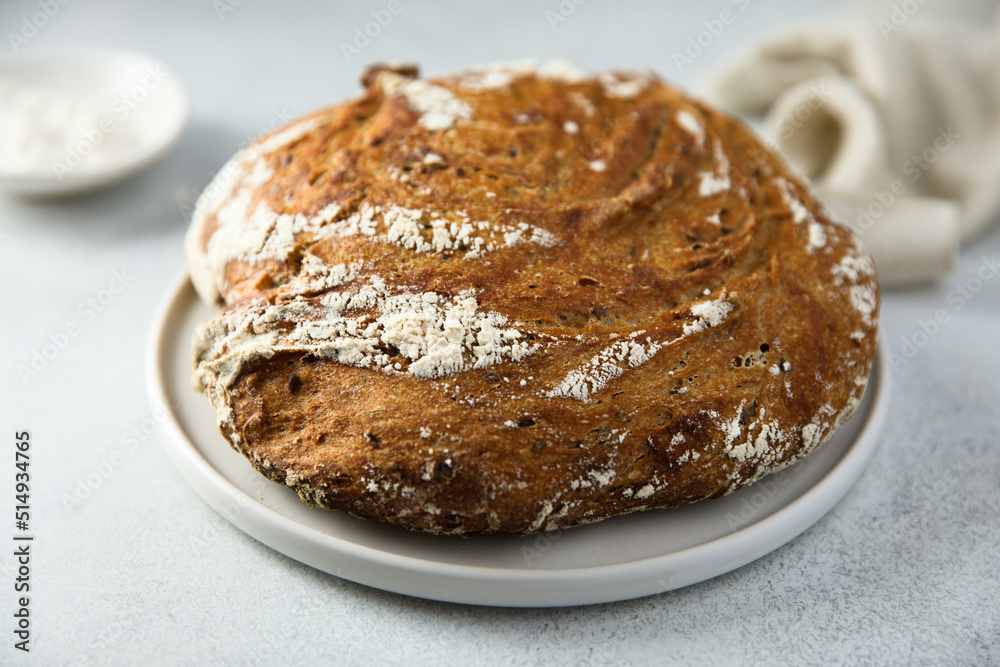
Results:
523 298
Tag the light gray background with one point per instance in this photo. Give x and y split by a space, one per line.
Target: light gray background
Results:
905 569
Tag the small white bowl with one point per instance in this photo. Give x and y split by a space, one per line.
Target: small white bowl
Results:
134 106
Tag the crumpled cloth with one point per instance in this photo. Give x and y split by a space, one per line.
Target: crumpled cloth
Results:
895 120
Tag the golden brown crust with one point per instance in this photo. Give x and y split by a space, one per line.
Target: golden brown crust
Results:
656 312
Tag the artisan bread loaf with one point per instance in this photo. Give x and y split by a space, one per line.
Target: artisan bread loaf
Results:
523 298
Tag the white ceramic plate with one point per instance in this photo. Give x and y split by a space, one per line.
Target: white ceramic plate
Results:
137 103
618 559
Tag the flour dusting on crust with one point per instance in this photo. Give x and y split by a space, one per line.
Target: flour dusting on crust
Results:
604 367
609 364
718 181
691 125
500 75
436 334
439 108
228 200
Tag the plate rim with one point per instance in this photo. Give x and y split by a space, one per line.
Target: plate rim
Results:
507 587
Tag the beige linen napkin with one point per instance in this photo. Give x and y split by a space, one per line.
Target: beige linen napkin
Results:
895 120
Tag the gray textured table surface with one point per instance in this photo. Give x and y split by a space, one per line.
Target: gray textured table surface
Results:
141 571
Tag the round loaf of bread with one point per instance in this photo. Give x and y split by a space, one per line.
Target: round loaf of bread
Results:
523 298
